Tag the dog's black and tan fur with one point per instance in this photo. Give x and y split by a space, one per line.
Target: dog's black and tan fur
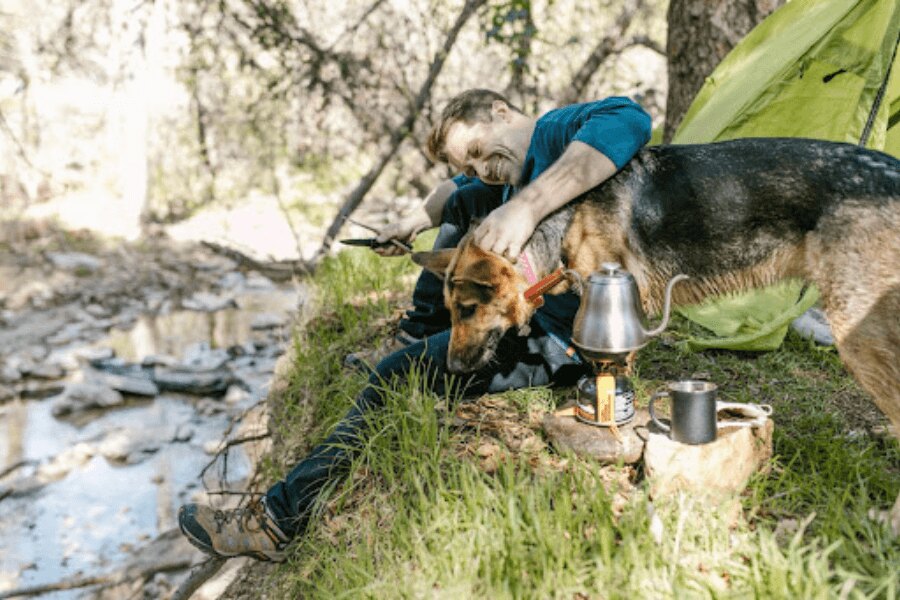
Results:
732 215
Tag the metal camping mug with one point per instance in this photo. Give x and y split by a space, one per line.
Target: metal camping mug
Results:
693 411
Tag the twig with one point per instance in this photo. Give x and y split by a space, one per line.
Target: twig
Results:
277 271
111 579
199 575
16 467
4 125
230 444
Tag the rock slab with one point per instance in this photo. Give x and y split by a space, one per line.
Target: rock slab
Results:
568 433
718 469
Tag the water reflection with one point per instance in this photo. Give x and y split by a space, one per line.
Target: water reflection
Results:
97 511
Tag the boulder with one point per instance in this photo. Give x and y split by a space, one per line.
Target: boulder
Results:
718 469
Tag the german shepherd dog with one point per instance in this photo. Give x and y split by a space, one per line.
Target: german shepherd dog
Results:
731 215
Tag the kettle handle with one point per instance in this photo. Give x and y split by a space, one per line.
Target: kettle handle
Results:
667 305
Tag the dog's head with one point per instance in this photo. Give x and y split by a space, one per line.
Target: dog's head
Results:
486 298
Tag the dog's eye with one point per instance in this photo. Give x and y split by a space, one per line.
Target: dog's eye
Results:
465 310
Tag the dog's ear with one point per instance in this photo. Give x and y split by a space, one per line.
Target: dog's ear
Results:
436 262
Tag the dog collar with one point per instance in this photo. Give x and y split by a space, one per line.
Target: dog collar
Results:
535 294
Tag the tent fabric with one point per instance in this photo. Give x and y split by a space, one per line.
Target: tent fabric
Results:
814 68
757 320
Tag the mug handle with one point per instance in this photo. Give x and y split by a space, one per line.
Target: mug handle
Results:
656 421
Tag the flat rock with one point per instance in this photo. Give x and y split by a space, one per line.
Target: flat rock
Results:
129 446
135 385
206 302
47 371
10 374
6 393
720 468
267 321
75 261
568 433
38 390
204 383
85 395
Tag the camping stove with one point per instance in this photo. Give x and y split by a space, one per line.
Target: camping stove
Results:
606 398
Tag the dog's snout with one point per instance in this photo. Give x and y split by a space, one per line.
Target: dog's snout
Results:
455 365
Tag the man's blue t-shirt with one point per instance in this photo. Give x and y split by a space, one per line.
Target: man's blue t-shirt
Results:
617 127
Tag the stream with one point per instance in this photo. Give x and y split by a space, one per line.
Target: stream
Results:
106 435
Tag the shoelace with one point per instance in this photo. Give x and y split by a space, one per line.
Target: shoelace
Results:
242 517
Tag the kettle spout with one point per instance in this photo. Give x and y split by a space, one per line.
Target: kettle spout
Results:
666 306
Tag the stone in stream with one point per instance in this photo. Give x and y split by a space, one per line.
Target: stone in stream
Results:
69 333
134 385
38 390
200 357
47 370
10 374
203 383
131 446
206 302
123 376
79 262
267 321
6 393
85 395
91 354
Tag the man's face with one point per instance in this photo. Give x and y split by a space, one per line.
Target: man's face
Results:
494 151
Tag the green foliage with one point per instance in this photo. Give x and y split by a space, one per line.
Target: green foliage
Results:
512 25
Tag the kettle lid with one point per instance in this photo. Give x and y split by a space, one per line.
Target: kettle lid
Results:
610 272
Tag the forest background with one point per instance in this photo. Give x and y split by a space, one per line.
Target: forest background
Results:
267 116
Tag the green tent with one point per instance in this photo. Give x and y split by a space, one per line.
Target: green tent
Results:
824 69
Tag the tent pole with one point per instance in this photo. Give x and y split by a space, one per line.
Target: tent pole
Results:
867 130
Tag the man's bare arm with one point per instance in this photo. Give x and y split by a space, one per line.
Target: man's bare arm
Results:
507 229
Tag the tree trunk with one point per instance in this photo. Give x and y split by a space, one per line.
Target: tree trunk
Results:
701 33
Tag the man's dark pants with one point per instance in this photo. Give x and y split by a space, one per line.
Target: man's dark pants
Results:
534 360
521 362
467 204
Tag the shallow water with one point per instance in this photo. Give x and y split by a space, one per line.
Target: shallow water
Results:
90 520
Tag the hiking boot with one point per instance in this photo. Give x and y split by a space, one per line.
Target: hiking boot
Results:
365 360
249 531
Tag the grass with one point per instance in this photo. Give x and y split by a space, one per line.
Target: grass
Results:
436 510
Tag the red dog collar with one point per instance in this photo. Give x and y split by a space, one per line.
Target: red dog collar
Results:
535 294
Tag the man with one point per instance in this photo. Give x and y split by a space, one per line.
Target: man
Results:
517 171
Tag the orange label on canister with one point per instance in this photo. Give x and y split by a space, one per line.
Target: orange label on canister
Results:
606 398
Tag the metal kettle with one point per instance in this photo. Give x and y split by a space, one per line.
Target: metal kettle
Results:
610 321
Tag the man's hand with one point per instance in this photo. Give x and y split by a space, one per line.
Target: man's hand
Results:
507 229
405 230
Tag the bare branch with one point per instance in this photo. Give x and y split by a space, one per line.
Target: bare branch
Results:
223 451
199 575
402 132
611 42
111 579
